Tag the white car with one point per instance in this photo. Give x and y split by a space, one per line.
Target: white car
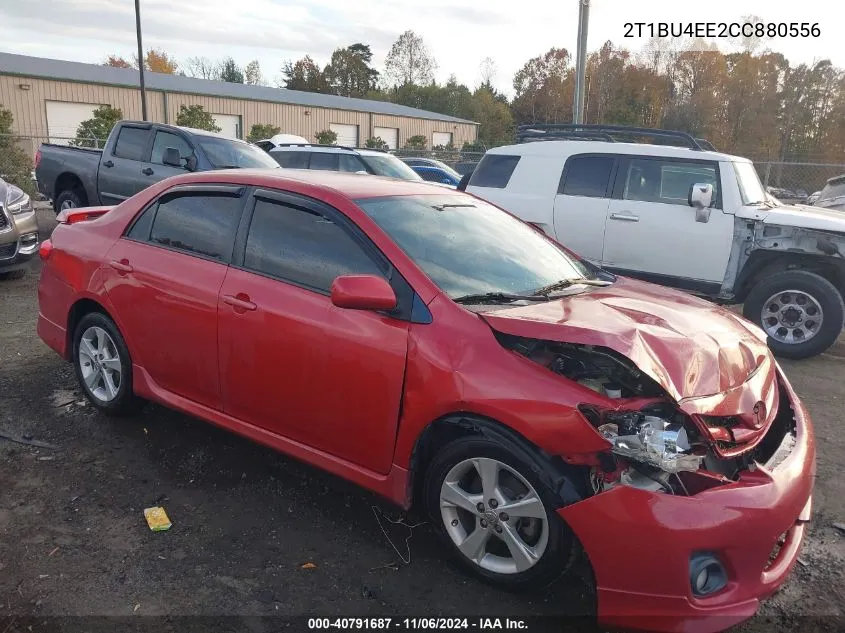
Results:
681 216
279 139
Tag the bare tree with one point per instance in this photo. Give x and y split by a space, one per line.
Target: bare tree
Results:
203 68
488 71
409 61
252 74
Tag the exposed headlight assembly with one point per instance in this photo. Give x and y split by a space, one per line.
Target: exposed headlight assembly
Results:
21 204
651 440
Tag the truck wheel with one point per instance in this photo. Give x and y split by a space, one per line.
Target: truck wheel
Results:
67 199
801 312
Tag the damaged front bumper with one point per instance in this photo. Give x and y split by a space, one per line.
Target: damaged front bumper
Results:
641 544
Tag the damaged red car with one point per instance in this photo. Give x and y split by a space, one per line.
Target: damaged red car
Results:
436 350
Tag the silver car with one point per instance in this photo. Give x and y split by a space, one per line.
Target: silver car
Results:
18 231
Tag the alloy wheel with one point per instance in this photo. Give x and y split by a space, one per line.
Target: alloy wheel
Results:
494 516
99 362
791 316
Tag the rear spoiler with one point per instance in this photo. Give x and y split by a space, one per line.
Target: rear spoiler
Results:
81 214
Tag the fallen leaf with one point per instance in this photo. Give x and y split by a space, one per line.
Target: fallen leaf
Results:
137 606
309 566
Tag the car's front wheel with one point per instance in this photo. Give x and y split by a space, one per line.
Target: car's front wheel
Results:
801 312
103 366
495 514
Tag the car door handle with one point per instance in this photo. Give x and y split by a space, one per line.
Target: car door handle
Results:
239 302
108 163
628 217
147 171
122 266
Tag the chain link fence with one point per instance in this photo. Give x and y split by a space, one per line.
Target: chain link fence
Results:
794 182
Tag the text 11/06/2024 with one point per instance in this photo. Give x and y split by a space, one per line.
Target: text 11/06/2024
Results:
722 29
419 624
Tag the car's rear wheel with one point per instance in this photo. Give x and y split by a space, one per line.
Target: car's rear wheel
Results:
496 515
801 312
103 365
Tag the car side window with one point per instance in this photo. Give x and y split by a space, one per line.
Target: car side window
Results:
202 224
292 160
587 176
131 143
351 163
303 247
494 170
325 161
429 174
668 181
163 140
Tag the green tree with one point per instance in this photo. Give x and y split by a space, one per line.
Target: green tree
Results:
230 72
415 142
95 131
376 142
544 89
493 116
326 137
260 131
15 163
304 74
349 73
196 117
409 61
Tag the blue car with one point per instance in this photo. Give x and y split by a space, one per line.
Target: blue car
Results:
434 171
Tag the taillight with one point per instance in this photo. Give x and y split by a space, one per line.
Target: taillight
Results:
45 250
37 157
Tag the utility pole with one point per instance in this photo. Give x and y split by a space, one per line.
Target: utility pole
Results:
141 60
581 61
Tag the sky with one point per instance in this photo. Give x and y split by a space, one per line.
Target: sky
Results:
459 33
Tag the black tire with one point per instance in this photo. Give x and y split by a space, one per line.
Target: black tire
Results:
68 195
820 289
561 546
126 402
13 274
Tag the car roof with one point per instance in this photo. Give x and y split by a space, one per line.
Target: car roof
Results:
312 147
569 147
354 186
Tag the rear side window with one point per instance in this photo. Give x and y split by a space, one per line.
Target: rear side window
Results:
198 224
494 171
131 143
325 161
303 247
587 176
292 160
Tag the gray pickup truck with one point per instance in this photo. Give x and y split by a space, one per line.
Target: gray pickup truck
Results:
136 155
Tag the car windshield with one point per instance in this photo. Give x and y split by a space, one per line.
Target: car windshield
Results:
227 153
467 246
389 165
750 187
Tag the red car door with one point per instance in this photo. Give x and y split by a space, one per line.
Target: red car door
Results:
163 279
290 361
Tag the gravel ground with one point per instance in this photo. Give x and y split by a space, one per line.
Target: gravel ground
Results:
73 539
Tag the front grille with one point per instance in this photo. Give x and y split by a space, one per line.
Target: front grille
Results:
8 250
4 221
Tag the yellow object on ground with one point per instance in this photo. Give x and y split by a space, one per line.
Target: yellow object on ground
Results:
157 519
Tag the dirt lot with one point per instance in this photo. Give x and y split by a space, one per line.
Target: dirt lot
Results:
73 540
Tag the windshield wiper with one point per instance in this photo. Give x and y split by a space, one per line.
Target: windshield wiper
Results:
497 297
228 167
440 207
565 283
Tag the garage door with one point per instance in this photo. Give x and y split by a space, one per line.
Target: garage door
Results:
346 134
229 124
63 119
441 138
389 135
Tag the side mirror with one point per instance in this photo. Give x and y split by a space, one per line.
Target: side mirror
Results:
172 157
191 165
363 292
700 198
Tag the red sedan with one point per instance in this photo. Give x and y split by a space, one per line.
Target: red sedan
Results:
435 349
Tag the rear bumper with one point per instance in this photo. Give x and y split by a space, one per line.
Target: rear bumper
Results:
640 543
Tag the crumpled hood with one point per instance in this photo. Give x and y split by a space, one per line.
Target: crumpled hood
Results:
691 347
801 216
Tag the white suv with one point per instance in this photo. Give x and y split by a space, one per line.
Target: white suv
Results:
681 216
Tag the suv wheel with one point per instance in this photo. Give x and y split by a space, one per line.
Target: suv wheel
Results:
67 199
801 312
496 515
